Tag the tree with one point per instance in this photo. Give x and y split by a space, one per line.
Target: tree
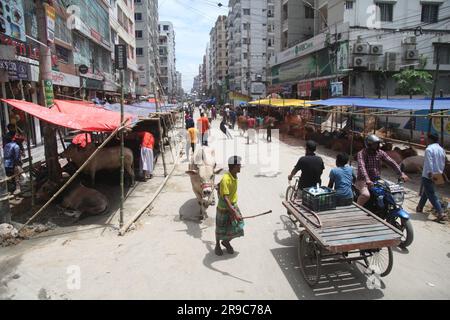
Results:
413 82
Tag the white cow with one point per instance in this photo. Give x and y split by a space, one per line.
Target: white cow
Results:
202 170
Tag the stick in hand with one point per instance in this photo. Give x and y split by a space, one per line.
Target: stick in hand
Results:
257 215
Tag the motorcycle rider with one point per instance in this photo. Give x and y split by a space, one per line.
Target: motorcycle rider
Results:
369 167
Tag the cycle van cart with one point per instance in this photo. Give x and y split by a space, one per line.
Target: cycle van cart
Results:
345 234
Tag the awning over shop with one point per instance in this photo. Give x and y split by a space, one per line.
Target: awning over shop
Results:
396 104
282 103
135 110
74 115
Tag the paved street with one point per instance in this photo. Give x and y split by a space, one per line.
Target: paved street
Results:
169 258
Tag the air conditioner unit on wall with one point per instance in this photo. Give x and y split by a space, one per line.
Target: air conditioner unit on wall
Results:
412 54
361 48
375 67
390 61
360 62
410 40
376 49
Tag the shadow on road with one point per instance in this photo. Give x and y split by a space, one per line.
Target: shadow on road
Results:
7 274
338 281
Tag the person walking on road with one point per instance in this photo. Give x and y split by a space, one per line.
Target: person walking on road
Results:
225 130
311 166
269 131
191 139
203 128
229 222
433 168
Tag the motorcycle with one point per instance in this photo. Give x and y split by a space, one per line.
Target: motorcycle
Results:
386 200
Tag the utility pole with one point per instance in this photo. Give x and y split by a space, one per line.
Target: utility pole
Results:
436 78
45 81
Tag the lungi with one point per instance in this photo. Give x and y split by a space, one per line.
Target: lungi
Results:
146 159
226 227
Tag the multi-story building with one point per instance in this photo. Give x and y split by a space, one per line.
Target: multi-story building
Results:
218 56
209 67
122 17
179 85
147 46
167 58
250 37
359 45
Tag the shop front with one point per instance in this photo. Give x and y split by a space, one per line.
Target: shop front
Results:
92 87
65 85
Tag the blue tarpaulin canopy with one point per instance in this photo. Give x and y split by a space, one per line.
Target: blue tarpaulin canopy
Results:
396 104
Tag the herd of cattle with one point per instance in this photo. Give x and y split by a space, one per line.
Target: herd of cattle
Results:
202 169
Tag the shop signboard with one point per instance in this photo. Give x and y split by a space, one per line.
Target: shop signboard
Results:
48 92
304 89
337 89
342 57
64 79
120 56
16 70
12 19
88 83
50 17
320 84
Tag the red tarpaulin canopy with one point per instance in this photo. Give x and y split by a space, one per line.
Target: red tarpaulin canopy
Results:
74 115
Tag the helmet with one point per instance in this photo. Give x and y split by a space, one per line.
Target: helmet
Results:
371 139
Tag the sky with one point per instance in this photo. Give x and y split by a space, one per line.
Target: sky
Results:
192 20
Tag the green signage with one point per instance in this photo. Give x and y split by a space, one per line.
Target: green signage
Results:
48 92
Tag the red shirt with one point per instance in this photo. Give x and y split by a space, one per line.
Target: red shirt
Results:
203 124
251 122
148 140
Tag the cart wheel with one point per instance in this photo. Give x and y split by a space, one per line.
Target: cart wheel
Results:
380 260
289 193
310 258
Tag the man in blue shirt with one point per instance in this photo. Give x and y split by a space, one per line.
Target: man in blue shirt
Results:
434 163
11 156
342 178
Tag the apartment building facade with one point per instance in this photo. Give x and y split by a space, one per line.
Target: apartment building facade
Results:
147 46
122 22
167 58
251 37
357 46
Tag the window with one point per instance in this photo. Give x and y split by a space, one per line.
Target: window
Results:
309 12
139 51
349 5
245 40
138 34
137 1
245 56
138 16
444 53
246 26
386 11
246 12
166 28
430 13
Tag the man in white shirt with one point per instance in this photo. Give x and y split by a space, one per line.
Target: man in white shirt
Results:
434 163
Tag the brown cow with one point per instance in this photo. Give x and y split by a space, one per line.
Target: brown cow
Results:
85 201
242 125
106 159
406 153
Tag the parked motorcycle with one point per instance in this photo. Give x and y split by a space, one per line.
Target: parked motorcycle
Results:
386 200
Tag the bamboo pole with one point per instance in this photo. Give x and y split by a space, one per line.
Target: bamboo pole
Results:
124 229
162 146
74 176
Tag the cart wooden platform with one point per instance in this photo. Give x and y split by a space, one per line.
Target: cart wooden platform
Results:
344 234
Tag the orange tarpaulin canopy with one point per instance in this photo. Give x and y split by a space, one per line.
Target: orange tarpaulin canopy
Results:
75 115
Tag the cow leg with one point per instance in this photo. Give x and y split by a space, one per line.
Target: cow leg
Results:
130 172
93 177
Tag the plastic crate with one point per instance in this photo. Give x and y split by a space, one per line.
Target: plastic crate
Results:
320 202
